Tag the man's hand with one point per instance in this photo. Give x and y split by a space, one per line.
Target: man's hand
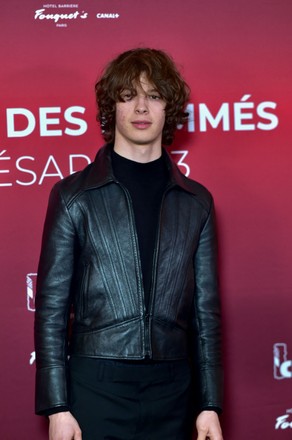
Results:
208 426
63 426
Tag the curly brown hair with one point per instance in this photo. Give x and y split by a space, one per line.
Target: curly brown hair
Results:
125 71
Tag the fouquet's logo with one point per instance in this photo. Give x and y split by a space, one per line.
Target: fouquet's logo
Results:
282 366
48 13
285 421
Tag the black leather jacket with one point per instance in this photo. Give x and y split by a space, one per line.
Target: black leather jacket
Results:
90 263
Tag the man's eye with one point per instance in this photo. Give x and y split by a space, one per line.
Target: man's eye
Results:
155 97
126 96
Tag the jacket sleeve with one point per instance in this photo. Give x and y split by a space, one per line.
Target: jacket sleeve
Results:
207 320
53 305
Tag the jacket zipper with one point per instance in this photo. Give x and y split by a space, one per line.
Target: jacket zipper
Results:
144 313
137 263
148 314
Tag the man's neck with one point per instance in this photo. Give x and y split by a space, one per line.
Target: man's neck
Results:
138 153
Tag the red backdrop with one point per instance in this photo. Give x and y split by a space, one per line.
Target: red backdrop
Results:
237 59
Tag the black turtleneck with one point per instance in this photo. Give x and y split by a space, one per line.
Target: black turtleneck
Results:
145 183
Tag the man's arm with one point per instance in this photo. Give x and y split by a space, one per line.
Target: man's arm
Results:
55 273
207 320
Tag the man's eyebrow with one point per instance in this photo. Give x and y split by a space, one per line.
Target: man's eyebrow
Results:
128 89
152 90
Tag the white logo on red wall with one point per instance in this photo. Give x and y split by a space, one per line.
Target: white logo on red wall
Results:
30 302
108 15
60 14
30 291
284 421
282 365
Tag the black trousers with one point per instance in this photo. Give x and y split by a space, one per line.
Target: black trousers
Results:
114 400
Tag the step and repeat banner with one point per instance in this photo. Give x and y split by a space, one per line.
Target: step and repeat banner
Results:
237 58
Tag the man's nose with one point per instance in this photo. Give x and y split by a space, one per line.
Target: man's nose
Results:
141 104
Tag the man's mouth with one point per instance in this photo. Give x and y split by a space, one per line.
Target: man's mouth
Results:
141 124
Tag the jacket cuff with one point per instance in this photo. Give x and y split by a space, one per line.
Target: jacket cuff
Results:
211 386
51 389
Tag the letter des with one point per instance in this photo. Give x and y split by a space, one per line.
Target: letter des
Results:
47 117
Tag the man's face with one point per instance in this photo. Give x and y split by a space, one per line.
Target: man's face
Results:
140 118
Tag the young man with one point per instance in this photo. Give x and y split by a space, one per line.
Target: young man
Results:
129 250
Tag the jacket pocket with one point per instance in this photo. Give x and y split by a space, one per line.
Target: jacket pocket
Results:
82 306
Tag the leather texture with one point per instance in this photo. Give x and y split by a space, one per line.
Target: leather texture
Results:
90 268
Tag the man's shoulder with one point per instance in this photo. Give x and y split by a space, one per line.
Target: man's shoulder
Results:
96 174
191 186
197 187
73 185
199 191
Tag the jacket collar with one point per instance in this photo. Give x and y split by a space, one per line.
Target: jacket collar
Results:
101 172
